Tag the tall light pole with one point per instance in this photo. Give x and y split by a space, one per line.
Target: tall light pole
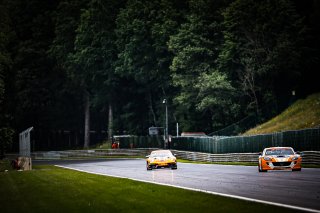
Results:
166 129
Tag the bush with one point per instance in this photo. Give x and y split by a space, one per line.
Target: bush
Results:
6 136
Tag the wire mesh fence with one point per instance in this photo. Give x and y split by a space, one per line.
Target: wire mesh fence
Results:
140 142
24 142
238 127
300 140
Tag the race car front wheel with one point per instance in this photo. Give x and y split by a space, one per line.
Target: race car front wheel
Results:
260 169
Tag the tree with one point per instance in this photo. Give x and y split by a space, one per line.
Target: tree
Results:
196 48
31 92
94 54
143 29
5 58
67 21
6 37
261 48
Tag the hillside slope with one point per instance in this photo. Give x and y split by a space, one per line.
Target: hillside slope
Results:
304 113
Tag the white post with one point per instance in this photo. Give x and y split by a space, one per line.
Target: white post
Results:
177 129
166 128
24 143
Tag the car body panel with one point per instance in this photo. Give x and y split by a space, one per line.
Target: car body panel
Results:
161 158
279 158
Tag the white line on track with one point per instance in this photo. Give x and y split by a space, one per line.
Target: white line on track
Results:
201 190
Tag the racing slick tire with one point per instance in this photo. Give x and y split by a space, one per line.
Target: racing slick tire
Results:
174 167
149 167
296 170
261 170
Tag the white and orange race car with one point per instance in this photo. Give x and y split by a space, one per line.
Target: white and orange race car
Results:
279 158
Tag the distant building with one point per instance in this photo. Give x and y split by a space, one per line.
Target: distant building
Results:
193 134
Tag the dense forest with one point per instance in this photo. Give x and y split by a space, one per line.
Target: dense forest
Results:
71 67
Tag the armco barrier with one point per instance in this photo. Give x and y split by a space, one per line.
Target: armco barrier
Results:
207 157
309 157
97 153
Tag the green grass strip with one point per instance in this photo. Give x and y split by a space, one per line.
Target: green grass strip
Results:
53 189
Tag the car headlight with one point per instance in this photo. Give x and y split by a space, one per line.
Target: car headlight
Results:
295 158
267 158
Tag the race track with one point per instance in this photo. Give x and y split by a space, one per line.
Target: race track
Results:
301 189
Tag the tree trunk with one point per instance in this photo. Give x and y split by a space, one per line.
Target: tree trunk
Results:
151 110
110 122
86 120
248 78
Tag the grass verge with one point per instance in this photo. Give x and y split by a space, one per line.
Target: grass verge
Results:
304 113
5 165
52 189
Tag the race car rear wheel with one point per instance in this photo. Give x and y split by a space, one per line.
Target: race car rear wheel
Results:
174 167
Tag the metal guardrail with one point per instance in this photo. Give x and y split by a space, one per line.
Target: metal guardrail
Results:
97 153
207 157
311 157
308 157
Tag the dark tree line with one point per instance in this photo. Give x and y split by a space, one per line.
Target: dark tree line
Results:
80 65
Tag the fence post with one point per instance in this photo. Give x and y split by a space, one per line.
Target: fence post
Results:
24 161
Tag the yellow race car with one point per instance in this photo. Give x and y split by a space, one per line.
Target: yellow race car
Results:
279 158
161 158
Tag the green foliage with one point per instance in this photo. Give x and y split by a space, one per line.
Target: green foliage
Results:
215 61
32 90
6 139
143 30
215 91
303 114
5 59
196 49
5 165
95 50
69 100
66 20
6 38
261 46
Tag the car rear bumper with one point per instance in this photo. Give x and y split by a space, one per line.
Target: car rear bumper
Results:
163 164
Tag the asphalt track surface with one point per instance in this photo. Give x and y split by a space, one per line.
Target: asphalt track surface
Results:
300 189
